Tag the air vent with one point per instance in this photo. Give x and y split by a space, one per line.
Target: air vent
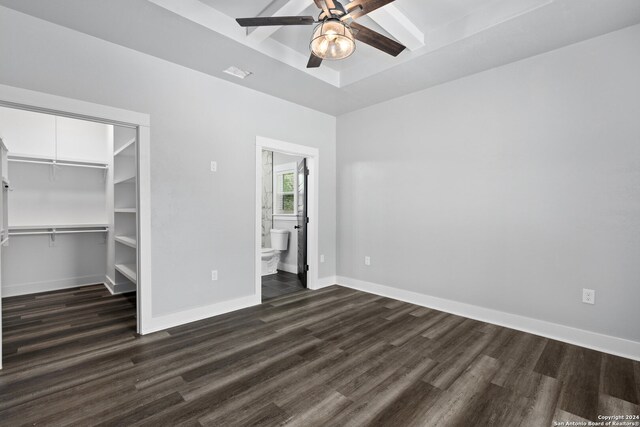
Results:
237 72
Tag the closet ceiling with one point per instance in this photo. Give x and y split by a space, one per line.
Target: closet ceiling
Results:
446 40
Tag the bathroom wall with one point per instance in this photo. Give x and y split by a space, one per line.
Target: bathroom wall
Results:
289 259
267 197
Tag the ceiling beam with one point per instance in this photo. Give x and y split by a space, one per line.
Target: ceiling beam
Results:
290 8
399 26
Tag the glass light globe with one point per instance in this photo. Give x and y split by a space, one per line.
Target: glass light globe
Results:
332 40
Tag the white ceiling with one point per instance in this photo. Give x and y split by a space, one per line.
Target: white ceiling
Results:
447 39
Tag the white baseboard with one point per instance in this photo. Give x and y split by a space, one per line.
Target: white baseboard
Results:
118 288
9 290
605 343
323 282
176 319
288 267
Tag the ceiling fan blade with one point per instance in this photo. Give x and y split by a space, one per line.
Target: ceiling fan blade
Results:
314 61
262 21
358 8
377 40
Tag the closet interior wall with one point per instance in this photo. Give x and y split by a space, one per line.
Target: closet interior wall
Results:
60 201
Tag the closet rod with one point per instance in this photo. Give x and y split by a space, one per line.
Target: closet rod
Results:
55 163
39 233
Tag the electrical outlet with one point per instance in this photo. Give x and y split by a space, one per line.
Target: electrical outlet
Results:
214 166
367 260
588 296
321 258
214 274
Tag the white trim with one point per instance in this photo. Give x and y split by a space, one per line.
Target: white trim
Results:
118 288
109 284
326 281
281 170
144 231
313 164
15 97
285 167
285 217
183 317
38 101
54 285
605 343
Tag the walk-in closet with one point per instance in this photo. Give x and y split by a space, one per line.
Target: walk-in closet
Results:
69 205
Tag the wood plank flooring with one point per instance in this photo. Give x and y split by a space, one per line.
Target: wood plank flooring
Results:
333 357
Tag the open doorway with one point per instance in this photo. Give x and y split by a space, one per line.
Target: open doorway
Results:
75 194
284 229
286 212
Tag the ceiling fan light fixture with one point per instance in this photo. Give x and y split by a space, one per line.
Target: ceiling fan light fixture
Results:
332 40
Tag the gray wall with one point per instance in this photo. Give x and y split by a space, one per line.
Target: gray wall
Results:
200 221
511 189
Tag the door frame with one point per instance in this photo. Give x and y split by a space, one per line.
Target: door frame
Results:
24 99
312 155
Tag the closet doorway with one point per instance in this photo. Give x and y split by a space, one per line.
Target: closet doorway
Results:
70 226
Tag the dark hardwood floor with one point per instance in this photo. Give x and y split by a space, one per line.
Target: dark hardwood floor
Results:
279 284
317 358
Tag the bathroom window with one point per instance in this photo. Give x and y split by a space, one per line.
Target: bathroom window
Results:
285 189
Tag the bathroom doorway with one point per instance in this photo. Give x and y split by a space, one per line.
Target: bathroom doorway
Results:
286 229
284 212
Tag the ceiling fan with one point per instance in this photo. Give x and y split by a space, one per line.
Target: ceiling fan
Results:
334 36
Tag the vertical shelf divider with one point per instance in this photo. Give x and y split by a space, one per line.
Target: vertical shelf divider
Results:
125 193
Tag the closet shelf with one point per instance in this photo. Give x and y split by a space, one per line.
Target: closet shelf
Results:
122 150
125 180
128 271
127 240
125 210
19 158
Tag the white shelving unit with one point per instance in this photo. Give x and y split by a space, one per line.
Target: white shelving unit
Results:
128 271
127 240
60 202
125 190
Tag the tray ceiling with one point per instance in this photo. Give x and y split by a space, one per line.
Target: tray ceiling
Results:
446 40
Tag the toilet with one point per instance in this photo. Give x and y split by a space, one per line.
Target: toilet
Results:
271 256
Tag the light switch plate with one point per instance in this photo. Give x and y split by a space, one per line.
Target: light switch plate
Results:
214 166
